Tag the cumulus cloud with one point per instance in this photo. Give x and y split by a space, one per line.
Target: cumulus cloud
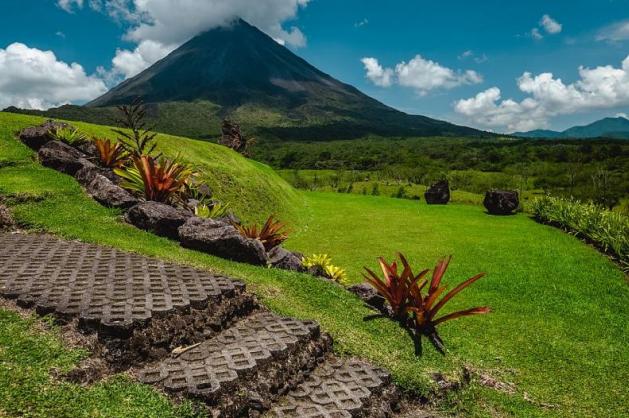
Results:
35 79
159 26
603 87
469 54
536 34
378 75
616 32
420 74
550 25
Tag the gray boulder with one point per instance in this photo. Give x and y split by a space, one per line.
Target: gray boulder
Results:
501 202
158 218
62 157
36 137
368 295
6 221
89 172
104 191
222 240
283 259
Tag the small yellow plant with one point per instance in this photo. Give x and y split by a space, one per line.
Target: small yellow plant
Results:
324 261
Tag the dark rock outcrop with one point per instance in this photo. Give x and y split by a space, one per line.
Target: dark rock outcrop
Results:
281 258
368 295
6 221
85 175
438 193
159 218
104 191
221 239
233 138
501 202
62 157
36 137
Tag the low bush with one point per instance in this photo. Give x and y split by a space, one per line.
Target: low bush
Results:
211 210
609 230
324 262
71 136
271 234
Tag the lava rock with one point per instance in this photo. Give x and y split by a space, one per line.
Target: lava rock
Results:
62 157
283 259
6 221
158 218
368 295
221 239
317 271
87 148
88 173
36 137
501 202
438 193
108 194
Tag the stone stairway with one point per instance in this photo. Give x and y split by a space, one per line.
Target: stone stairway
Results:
239 359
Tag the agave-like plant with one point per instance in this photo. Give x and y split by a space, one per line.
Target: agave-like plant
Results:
158 180
71 136
271 234
415 308
211 211
111 154
396 288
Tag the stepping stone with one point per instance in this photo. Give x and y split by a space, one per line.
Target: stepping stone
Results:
244 368
141 308
339 389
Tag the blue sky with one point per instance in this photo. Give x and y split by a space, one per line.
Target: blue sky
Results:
467 51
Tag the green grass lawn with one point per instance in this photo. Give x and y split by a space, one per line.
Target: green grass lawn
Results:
558 331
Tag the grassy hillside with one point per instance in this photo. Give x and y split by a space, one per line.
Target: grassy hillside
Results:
558 332
252 189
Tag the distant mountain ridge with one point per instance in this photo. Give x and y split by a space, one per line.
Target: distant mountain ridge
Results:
239 72
605 128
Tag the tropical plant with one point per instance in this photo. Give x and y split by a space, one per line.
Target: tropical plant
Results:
110 154
414 308
157 180
324 262
211 211
71 136
271 234
610 230
140 141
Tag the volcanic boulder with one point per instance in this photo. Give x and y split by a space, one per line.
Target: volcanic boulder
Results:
159 218
62 157
36 137
501 202
438 193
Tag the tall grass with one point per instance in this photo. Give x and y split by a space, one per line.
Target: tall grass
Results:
610 230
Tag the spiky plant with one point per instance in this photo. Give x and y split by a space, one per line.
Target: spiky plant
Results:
271 234
110 154
211 211
324 263
395 287
140 140
158 180
69 135
335 273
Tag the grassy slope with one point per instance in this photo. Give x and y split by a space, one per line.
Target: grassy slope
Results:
559 331
252 189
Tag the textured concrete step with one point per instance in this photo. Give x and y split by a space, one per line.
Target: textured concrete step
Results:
140 307
243 369
340 389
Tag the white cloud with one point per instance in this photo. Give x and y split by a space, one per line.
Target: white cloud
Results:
469 54
362 23
603 87
622 115
31 78
536 34
420 74
130 63
159 26
68 5
376 73
616 32
550 25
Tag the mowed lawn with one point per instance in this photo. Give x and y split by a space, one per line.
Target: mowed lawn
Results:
558 332
559 329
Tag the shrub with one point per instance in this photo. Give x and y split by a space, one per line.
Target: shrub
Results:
324 262
412 307
211 211
141 141
71 136
110 154
610 230
271 234
157 180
